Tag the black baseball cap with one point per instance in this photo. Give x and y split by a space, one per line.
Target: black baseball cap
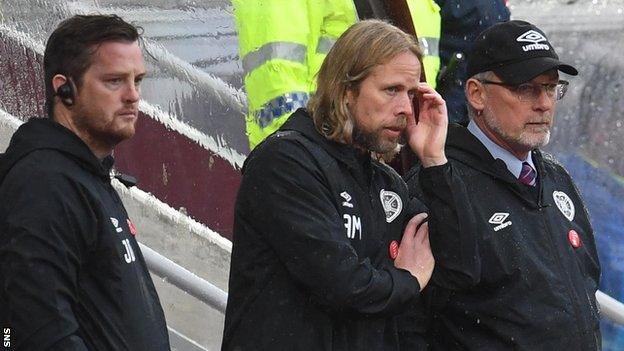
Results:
516 51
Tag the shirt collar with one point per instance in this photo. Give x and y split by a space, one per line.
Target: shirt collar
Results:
513 163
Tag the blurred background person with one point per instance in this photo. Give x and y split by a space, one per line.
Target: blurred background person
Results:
462 21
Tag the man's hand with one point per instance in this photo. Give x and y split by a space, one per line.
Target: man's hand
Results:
414 252
426 134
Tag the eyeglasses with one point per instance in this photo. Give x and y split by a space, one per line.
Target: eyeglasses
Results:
532 91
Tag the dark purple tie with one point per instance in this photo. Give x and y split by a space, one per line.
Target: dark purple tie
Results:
527 175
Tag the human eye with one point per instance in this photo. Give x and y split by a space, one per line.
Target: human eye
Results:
527 90
114 82
411 94
138 81
550 88
392 90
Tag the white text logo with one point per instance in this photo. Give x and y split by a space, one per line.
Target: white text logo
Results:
345 195
129 255
535 38
499 219
116 225
7 337
353 225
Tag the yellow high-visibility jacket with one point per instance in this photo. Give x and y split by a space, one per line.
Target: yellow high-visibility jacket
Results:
281 60
427 22
282 45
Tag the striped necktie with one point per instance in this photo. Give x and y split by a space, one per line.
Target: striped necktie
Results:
527 175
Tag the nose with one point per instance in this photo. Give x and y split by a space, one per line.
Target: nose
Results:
132 93
405 105
543 102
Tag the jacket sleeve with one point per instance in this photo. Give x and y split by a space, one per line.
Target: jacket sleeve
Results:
284 194
43 222
452 227
413 322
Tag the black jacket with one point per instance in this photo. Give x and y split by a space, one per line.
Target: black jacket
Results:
507 276
311 268
72 276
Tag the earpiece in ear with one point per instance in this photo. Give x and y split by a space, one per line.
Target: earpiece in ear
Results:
66 93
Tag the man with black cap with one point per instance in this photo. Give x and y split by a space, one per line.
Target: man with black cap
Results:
516 262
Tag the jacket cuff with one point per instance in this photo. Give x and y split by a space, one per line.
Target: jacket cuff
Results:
405 281
434 176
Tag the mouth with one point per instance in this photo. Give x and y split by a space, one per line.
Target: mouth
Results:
128 114
540 124
394 131
537 128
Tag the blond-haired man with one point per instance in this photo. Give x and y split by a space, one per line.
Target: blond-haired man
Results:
316 262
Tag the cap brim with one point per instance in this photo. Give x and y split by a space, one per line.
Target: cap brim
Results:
521 72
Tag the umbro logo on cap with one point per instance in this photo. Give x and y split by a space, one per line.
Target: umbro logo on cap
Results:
534 37
516 51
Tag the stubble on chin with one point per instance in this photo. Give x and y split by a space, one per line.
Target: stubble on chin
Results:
374 141
526 138
382 150
535 140
388 156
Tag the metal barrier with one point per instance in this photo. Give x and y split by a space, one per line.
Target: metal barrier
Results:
180 342
217 298
610 307
184 279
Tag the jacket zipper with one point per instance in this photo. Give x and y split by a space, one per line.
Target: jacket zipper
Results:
572 293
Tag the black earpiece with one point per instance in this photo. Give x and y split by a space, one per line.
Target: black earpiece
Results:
66 93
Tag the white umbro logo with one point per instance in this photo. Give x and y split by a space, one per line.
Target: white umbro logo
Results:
532 36
116 225
535 38
347 198
499 219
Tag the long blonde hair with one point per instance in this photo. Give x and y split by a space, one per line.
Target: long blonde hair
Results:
363 46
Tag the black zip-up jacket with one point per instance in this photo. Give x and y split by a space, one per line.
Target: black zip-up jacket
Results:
311 268
72 276
508 275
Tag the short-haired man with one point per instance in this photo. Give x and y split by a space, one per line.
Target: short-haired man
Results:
316 262
516 262
72 276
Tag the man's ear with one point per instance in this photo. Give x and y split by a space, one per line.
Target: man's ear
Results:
475 94
57 81
64 88
350 96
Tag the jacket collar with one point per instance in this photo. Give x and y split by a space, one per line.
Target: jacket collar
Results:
498 152
302 122
43 133
464 147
